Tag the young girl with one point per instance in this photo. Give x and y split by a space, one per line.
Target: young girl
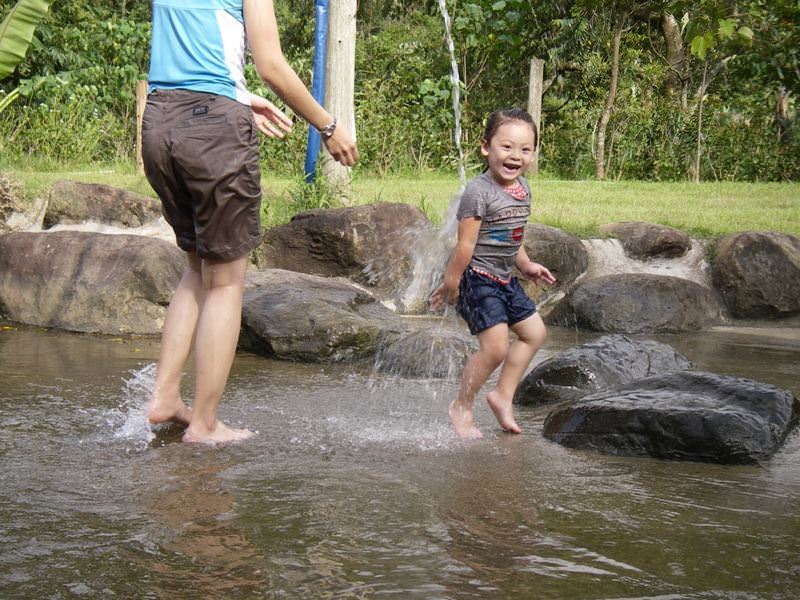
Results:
492 214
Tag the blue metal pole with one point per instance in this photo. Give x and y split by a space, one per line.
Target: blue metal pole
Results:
318 83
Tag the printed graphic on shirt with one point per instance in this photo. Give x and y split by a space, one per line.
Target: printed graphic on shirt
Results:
504 234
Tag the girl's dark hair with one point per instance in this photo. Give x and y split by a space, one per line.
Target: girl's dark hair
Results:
505 115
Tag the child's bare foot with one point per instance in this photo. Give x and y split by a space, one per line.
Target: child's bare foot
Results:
219 434
461 418
503 411
162 411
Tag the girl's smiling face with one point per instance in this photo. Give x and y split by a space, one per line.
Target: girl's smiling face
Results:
509 151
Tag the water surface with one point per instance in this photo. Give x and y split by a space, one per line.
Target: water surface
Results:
355 487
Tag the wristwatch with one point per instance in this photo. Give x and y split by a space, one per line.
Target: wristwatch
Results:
328 130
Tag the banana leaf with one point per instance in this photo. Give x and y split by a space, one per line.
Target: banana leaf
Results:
16 32
8 99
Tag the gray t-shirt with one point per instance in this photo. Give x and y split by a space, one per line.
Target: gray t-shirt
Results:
503 220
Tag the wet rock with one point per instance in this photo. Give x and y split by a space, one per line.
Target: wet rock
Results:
368 244
685 415
643 241
609 361
425 353
296 316
638 303
88 282
76 202
758 274
559 251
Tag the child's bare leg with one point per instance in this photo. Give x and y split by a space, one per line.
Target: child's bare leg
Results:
531 334
217 333
493 347
165 404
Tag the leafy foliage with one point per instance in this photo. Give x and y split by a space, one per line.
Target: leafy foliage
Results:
77 84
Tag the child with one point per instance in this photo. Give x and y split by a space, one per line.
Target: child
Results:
492 214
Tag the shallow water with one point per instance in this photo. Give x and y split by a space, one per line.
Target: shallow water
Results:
354 487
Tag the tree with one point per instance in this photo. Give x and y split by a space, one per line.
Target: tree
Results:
339 82
16 33
716 32
617 18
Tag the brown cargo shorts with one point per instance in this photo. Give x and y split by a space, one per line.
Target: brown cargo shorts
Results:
200 155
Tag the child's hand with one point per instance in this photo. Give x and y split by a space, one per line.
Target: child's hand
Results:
443 295
538 273
270 120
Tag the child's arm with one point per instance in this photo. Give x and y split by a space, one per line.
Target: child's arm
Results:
265 44
447 292
532 270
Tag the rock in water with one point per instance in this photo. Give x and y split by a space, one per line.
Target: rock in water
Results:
687 415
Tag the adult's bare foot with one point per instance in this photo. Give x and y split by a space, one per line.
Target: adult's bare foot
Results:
461 418
219 434
160 411
503 411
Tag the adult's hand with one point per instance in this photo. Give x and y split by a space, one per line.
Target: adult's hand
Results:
270 120
342 146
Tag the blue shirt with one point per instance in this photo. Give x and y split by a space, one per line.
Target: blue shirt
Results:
199 45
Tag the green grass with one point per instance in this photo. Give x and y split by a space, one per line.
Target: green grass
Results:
579 207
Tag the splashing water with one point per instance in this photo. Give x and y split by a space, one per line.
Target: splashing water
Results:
129 420
455 80
429 253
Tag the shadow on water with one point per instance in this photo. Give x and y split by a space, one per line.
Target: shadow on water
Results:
355 487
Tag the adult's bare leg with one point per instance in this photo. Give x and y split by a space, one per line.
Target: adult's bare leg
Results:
531 334
216 337
493 348
165 403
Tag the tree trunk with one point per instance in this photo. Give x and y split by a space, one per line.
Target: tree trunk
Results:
340 85
600 149
141 103
674 80
699 140
535 91
782 115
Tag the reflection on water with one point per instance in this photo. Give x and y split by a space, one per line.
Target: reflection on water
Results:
356 488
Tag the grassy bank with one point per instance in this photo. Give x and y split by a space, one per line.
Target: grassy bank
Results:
703 210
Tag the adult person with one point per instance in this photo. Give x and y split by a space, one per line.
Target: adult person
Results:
200 149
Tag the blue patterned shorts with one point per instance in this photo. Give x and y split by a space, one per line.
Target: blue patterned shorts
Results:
483 302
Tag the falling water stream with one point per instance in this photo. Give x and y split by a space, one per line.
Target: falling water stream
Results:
455 81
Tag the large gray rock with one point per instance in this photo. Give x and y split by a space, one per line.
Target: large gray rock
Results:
609 361
644 240
638 303
559 251
88 282
297 316
76 202
682 416
425 353
368 244
758 274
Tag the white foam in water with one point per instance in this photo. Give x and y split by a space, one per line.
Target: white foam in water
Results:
158 228
607 257
396 433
